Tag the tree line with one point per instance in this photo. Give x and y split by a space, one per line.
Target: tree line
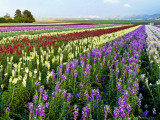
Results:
19 17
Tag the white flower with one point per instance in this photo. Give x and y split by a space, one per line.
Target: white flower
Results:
2 86
24 83
26 70
13 73
19 77
15 80
35 71
47 64
143 76
10 79
146 82
154 111
146 106
158 82
5 74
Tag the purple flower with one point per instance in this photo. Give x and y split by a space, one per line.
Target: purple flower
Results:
59 69
53 75
86 94
136 85
57 87
94 60
35 97
116 63
67 68
53 94
46 105
64 93
79 95
41 88
116 113
101 65
75 112
81 85
88 55
30 107
63 77
69 97
97 78
75 74
7 109
45 96
37 83
85 74
145 113
40 110
119 80
119 86
106 111
85 112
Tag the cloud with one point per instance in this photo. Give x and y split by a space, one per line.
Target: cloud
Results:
127 5
111 1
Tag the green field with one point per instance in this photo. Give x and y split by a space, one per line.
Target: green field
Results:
96 21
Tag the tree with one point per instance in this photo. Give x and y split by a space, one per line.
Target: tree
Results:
7 17
17 13
28 17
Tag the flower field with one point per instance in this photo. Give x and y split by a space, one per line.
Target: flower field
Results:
44 27
107 72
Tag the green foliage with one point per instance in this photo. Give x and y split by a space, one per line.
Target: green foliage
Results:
28 17
19 20
3 20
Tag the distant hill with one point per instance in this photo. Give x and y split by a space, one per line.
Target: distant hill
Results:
143 17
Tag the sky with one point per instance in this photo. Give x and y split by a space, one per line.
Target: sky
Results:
80 8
